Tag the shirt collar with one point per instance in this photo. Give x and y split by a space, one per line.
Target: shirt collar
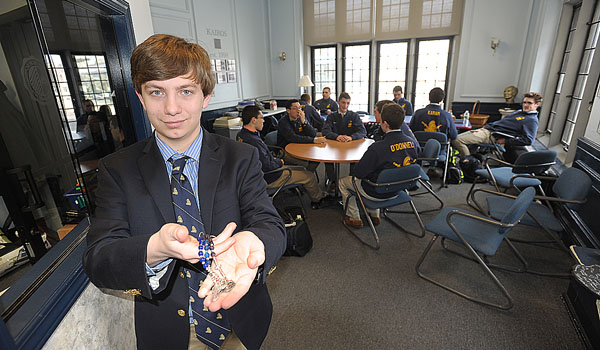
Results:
193 151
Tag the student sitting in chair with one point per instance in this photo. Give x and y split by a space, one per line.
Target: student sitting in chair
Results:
253 123
433 117
293 127
395 150
342 126
379 133
517 129
312 115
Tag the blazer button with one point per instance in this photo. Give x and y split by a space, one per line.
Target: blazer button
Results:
181 312
181 275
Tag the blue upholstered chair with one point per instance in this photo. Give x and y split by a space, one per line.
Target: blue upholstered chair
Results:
478 235
444 153
271 141
515 175
390 181
570 188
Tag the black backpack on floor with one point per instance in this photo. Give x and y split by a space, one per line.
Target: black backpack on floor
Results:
299 239
469 164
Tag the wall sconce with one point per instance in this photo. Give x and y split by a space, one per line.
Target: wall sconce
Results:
282 56
494 44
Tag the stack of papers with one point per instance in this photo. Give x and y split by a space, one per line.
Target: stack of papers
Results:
227 122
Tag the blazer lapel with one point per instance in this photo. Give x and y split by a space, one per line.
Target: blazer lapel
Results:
154 174
209 172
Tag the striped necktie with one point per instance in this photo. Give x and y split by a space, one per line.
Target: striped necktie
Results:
211 327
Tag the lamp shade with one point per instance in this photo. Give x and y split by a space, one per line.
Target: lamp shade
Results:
305 81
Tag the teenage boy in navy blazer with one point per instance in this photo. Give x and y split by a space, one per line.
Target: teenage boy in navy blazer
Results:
342 126
253 123
135 244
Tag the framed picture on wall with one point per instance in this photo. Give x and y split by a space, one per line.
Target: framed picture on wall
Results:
231 78
231 65
220 65
221 77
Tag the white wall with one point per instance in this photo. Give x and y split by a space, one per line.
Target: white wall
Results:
241 28
285 19
253 46
140 15
526 30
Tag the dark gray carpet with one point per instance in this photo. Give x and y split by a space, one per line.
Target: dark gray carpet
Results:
343 295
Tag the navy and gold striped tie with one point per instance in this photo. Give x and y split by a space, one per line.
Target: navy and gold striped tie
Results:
211 327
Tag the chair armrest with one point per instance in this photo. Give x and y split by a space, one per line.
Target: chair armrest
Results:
487 160
375 184
503 135
277 150
288 175
474 217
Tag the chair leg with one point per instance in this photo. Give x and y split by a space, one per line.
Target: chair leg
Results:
301 201
445 174
417 216
376 245
471 198
519 256
508 305
429 190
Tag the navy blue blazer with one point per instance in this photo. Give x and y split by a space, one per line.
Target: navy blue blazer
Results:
133 201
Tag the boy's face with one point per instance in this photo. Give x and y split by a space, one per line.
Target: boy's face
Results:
397 94
326 93
259 121
294 111
529 104
344 103
174 108
377 115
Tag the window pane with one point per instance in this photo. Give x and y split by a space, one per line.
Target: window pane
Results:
324 70
356 76
392 69
432 64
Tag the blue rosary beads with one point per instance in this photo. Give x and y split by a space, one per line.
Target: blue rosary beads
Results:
206 252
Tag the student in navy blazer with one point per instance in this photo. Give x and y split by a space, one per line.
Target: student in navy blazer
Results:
133 229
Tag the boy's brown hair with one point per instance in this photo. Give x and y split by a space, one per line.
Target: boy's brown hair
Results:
535 96
163 57
393 114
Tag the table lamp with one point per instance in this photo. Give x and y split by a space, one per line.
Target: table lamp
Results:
305 82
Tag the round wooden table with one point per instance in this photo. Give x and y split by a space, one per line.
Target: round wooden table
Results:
330 152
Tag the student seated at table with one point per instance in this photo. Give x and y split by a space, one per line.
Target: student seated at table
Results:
521 125
343 126
378 134
253 123
396 149
293 127
312 115
399 99
433 117
326 105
